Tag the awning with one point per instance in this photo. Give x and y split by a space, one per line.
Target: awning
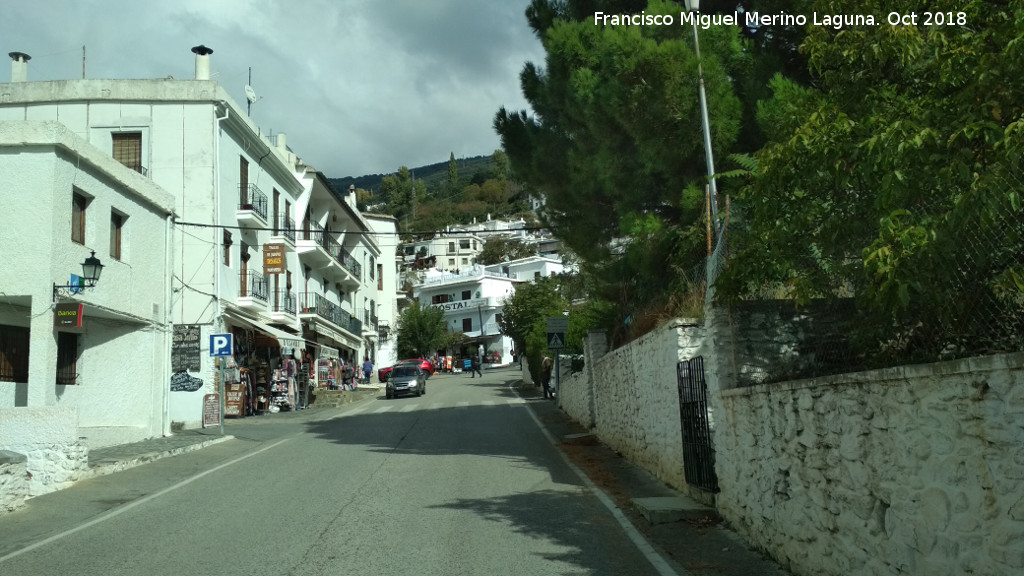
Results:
281 338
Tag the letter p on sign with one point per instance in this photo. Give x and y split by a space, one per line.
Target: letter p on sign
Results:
220 344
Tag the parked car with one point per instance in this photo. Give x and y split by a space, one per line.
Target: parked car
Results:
406 378
384 373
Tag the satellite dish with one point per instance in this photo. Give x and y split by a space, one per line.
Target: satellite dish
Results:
250 94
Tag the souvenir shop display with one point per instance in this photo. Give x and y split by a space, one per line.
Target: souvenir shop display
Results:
282 395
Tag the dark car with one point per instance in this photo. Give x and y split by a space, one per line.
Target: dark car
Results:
406 378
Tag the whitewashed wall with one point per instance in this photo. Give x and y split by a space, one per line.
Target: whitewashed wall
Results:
48 438
913 470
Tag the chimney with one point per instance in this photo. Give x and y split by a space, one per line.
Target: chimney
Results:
202 61
282 142
19 66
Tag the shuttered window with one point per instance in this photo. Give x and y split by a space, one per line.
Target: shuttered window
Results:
78 203
128 149
67 358
13 354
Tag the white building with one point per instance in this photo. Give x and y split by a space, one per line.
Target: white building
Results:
472 301
530 268
447 251
239 196
391 299
65 388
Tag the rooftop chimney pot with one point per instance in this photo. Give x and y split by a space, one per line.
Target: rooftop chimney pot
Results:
19 66
202 61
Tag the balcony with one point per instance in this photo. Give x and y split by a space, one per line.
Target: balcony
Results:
346 269
315 306
252 207
283 306
252 290
284 233
311 245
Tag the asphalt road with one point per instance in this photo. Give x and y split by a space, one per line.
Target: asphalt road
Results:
459 481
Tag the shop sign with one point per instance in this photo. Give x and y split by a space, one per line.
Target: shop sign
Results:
211 410
68 315
185 348
273 259
462 305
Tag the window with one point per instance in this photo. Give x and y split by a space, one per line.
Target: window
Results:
439 299
78 203
373 266
243 181
451 262
451 246
67 358
497 318
465 261
474 244
13 354
536 275
410 250
467 294
227 248
464 244
467 324
116 229
380 276
128 149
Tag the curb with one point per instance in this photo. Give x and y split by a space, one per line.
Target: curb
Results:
110 467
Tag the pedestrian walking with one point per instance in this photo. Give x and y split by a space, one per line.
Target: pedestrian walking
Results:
348 377
475 368
367 370
545 376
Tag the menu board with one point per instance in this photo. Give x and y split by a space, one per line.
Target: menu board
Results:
185 348
235 399
211 410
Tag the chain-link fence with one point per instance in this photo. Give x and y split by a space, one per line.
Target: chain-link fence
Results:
943 279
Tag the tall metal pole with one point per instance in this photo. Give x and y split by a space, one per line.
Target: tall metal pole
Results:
709 157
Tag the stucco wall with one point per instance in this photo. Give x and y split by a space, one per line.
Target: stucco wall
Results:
913 470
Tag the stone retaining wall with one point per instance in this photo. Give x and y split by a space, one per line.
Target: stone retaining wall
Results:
912 470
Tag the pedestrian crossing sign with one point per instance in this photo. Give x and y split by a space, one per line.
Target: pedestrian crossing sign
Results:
556 340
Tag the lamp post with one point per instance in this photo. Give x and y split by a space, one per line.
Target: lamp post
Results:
694 6
91 270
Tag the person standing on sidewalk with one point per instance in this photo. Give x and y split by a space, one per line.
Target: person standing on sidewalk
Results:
545 376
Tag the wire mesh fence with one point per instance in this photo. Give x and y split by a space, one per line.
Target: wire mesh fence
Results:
943 279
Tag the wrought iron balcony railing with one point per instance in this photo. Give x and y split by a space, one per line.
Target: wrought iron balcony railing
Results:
252 198
252 284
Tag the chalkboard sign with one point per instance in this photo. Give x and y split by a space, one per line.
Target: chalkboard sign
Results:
211 410
184 382
185 348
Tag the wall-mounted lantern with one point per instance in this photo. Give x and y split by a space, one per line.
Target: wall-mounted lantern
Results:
91 270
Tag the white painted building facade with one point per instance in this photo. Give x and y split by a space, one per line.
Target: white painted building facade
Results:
234 191
64 389
472 301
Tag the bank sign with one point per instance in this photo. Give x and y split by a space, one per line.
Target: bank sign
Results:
462 305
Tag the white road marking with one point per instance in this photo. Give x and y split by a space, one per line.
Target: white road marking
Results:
409 408
462 404
657 561
383 409
118 511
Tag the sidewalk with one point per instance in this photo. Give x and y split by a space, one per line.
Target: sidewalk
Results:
688 533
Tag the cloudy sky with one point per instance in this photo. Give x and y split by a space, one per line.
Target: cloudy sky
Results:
359 86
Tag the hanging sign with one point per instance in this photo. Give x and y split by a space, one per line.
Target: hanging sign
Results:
68 315
273 259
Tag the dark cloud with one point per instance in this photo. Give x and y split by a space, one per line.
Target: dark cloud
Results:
360 87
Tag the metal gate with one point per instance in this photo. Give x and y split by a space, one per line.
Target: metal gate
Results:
698 456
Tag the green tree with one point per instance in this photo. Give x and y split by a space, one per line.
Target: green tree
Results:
873 177
498 249
453 176
421 331
524 318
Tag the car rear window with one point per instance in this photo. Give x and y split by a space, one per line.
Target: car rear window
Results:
405 371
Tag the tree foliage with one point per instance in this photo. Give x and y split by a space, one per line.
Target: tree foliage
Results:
498 249
907 142
421 331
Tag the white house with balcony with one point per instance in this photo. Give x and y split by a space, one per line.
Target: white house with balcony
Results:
80 367
472 301
262 247
449 251
529 269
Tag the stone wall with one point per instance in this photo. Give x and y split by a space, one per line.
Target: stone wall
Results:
48 438
13 481
912 470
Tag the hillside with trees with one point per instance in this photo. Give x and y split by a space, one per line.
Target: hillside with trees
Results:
429 198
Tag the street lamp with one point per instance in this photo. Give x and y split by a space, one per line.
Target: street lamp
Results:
91 270
694 6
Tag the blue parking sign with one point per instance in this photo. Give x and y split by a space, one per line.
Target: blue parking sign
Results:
221 344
